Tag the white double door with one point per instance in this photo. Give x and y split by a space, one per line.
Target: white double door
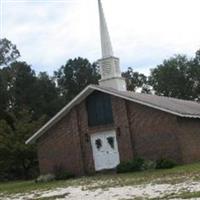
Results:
105 150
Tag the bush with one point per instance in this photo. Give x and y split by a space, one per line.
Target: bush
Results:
124 167
61 174
45 178
149 164
165 164
64 175
139 164
131 166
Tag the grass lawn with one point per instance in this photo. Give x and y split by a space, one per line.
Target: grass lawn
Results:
176 175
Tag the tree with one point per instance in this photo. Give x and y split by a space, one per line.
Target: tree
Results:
135 80
4 99
18 160
8 52
5 148
20 85
75 76
3 92
26 91
194 74
196 60
47 98
24 156
174 78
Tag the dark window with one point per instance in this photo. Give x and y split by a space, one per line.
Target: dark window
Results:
99 109
111 142
98 144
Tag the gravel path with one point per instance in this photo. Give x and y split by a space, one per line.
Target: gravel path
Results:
146 191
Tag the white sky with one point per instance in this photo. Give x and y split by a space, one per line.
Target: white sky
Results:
143 32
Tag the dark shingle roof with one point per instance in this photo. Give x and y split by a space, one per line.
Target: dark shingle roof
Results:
174 106
183 107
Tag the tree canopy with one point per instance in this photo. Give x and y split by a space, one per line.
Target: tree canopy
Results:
75 75
136 80
177 77
8 52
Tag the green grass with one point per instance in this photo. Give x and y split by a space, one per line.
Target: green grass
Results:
175 175
188 195
182 195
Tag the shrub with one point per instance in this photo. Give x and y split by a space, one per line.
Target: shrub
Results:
148 164
124 167
130 166
45 178
165 164
62 174
137 164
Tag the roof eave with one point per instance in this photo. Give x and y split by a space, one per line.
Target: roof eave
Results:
88 90
59 115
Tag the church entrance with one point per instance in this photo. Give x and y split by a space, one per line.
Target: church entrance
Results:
105 150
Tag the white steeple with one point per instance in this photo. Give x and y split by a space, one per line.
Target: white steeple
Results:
109 65
106 45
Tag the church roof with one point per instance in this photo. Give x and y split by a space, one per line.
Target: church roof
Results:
182 108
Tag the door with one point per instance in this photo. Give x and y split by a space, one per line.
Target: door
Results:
105 150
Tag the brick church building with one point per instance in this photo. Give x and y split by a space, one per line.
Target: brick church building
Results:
105 124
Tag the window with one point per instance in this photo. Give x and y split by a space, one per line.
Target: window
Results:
99 109
111 142
98 144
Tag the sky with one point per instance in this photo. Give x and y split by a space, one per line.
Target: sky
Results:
143 32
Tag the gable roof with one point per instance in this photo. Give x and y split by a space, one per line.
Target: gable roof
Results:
173 106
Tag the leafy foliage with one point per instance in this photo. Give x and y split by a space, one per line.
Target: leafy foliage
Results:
16 158
164 163
140 164
24 90
148 165
177 77
75 76
131 166
135 80
8 52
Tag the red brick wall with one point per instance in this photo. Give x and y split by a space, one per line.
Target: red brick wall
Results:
189 137
60 146
122 128
68 142
157 134
154 133
141 131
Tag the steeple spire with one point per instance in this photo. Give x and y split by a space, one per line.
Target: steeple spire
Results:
109 65
106 45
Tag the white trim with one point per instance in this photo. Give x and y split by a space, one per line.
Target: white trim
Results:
88 90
